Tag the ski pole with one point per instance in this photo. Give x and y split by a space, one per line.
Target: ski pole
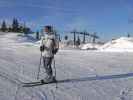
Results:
39 67
54 68
55 72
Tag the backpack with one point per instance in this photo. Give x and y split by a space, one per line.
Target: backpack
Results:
55 46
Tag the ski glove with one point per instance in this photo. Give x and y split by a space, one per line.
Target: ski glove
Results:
42 48
54 51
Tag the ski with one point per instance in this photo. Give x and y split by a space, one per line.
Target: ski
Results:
32 84
39 83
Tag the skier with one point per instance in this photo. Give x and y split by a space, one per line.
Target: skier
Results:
49 47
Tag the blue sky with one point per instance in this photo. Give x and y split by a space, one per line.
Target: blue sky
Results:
109 18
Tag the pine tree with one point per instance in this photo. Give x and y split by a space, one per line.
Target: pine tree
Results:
15 25
9 29
128 35
3 26
37 35
21 29
78 41
26 30
66 37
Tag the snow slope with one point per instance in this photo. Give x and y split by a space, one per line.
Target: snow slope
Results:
90 46
122 44
92 75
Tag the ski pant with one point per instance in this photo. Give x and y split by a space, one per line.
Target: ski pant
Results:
47 61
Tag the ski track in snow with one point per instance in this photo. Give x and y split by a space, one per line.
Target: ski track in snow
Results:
93 75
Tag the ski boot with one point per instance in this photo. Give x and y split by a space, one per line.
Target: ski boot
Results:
50 80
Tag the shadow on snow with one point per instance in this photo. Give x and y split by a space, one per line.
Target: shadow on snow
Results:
106 77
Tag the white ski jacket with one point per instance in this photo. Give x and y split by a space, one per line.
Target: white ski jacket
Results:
48 41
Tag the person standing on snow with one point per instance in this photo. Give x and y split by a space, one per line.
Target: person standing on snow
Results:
49 48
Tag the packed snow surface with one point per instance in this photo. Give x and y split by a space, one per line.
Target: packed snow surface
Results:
123 44
92 75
